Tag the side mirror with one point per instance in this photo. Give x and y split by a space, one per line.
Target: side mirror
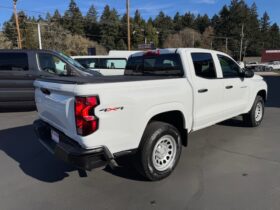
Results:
247 73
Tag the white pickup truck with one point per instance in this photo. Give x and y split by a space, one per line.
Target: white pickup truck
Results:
147 113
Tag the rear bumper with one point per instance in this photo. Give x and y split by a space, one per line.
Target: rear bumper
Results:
70 151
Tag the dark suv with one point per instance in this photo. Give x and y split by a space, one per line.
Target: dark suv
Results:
19 68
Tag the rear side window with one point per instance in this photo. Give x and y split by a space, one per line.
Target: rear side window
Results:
88 62
155 65
112 63
13 62
204 65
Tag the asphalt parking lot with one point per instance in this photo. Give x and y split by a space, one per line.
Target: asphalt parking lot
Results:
226 166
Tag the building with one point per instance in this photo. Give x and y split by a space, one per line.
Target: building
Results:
270 55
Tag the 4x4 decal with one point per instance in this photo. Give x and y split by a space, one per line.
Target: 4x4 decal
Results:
112 109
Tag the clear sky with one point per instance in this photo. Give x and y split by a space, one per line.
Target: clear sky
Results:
148 8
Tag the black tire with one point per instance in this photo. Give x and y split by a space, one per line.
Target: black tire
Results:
250 118
154 135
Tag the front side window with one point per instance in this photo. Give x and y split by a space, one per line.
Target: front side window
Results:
52 64
13 62
204 65
229 68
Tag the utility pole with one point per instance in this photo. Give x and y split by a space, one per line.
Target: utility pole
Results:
39 36
17 24
193 38
226 45
128 24
241 42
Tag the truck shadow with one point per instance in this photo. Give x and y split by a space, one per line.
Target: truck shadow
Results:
126 169
21 145
273 83
273 101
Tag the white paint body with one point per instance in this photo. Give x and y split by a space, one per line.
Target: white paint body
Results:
142 100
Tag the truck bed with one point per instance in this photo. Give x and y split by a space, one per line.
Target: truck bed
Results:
104 79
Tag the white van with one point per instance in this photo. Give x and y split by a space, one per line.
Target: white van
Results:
112 64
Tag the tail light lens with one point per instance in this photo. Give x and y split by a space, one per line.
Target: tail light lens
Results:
86 121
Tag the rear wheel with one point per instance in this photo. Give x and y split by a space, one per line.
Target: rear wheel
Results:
159 151
256 114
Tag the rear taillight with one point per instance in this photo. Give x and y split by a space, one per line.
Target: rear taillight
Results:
86 121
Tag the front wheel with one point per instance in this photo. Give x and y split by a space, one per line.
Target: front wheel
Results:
256 114
159 151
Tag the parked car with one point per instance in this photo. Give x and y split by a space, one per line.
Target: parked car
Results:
274 65
252 65
149 112
112 64
19 69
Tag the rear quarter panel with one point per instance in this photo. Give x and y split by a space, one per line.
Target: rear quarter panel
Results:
136 103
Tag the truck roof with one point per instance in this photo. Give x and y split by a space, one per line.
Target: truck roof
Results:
26 50
174 50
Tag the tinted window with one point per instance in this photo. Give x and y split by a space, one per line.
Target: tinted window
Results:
88 62
52 64
229 67
112 63
204 65
13 62
165 64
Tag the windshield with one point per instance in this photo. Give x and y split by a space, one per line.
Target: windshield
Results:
72 61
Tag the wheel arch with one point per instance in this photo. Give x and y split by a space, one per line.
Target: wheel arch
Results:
175 118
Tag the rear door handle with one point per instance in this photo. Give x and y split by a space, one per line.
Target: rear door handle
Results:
45 91
202 90
229 87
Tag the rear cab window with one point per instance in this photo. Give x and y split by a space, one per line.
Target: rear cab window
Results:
14 62
155 65
204 65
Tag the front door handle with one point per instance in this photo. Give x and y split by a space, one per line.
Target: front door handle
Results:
202 90
229 87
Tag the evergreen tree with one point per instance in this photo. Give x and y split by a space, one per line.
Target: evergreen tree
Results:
73 19
56 17
274 37
265 26
92 29
109 24
139 31
201 23
178 22
164 25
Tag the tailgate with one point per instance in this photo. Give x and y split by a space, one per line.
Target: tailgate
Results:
55 105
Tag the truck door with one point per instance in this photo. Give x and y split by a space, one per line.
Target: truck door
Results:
208 90
236 89
16 79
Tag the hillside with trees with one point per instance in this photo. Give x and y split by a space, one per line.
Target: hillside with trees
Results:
73 32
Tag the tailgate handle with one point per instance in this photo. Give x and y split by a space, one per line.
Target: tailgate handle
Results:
45 91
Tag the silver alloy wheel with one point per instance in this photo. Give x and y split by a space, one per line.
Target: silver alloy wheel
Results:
164 153
259 112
